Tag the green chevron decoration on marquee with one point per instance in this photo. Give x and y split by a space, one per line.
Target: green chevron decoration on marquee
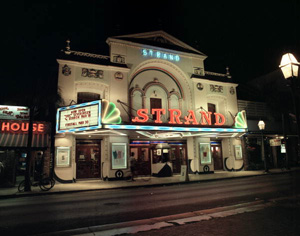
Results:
110 113
240 120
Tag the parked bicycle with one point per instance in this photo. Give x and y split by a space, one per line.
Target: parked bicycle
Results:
45 184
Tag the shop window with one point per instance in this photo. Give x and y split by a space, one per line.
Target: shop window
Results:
87 97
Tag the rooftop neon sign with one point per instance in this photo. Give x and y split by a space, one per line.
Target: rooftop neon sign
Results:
160 55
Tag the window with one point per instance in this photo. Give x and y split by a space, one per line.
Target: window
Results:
212 108
155 103
87 97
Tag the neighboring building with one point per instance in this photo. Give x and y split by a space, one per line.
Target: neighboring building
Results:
14 126
267 98
156 100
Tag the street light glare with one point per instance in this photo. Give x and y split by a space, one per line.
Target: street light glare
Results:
289 65
261 125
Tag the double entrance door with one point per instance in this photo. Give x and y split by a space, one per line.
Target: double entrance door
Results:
178 157
216 151
143 160
176 154
88 161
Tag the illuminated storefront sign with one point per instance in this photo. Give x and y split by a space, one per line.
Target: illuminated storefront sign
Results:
175 117
160 55
14 113
84 116
21 127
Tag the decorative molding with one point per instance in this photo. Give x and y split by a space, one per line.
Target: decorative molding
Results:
92 73
216 88
155 83
66 70
188 96
86 86
93 65
232 90
119 75
199 86
215 74
119 59
175 93
198 71
87 54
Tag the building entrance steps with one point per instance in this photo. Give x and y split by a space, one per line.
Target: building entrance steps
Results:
98 184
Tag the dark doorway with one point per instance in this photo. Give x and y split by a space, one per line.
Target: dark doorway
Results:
216 151
87 97
155 103
142 155
178 157
88 159
212 108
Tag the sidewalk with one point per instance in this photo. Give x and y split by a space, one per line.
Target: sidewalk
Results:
90 185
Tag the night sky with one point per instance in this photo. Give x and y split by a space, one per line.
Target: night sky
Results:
250 38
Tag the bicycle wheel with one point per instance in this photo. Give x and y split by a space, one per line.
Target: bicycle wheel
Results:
21 186
46 184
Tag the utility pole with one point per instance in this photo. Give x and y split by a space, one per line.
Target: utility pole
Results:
29 150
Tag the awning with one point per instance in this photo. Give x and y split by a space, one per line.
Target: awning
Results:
20 140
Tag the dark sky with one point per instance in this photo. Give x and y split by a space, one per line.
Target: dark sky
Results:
248 37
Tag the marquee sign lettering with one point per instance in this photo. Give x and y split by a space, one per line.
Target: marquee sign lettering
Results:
14 112
84 116
175 117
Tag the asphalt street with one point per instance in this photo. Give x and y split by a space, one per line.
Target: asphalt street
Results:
50 213
281 219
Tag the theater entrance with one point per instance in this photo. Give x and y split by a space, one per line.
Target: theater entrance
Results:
88 159
216 151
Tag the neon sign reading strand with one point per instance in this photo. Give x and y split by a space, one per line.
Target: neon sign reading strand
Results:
160 55
176 117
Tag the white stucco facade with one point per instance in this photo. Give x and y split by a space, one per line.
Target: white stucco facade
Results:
137 75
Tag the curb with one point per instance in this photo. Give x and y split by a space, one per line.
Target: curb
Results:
131 227
33 194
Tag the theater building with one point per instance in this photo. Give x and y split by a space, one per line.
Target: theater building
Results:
150 96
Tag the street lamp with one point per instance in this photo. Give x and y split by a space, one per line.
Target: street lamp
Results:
261 125
290 66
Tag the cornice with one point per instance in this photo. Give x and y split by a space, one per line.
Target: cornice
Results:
197 80
92 66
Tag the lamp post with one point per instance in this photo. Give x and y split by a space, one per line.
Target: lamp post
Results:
289 67
261 125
